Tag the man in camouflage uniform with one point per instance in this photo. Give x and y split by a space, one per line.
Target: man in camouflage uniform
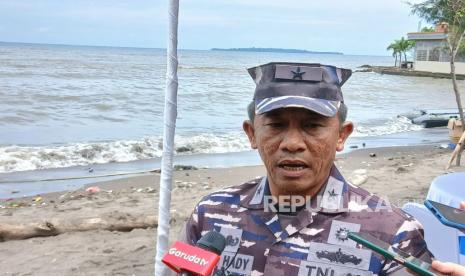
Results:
297 123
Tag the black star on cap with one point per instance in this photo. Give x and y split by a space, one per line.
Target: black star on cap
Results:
298 74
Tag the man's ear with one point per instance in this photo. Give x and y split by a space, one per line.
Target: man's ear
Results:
247 125
344 133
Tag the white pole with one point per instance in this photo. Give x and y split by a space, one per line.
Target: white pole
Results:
170 115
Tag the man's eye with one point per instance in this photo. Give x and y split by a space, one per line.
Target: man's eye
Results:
312 125
274 124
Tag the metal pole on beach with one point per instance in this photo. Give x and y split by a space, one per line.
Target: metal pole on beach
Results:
170 114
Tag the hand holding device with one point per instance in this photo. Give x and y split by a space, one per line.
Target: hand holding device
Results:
389 252
449 268
447 215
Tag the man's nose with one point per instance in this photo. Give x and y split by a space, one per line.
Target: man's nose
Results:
293 141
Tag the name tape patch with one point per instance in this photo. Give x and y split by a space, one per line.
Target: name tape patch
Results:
241 264
296 73
307 268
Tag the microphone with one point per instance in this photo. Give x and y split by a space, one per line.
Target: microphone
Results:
201 259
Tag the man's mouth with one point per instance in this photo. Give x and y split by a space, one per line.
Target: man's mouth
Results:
292 165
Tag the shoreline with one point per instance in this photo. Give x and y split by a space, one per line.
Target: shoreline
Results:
365 158
391 70
30 183
400 173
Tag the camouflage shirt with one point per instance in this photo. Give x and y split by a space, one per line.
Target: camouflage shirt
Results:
311 241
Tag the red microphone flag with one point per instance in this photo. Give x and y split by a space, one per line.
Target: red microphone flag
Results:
183 256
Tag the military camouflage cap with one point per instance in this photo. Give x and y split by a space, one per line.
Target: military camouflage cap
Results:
313 86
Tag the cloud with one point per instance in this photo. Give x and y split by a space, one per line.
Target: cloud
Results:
207 23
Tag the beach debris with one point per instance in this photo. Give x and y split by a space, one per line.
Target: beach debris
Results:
37 199
144 190
205 185
140 248
354 147
358 177
93 190
16 204
372 154
184 149
401 170
184 168
150 190
14 191
185 184
117 221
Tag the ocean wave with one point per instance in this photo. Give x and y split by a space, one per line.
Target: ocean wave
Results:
22 158
391 126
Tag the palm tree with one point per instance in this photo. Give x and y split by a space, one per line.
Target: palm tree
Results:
400 46
404 46
395 51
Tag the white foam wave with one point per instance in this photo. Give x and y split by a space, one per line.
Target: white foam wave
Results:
21 158
393 125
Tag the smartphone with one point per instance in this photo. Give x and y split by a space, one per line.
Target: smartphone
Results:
449 216
389 252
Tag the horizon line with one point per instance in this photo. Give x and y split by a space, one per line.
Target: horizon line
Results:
158 48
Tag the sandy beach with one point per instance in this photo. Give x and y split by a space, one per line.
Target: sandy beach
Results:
400 173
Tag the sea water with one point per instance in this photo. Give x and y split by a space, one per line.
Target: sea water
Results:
62 106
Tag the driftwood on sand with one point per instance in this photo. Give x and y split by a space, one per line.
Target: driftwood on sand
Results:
52 227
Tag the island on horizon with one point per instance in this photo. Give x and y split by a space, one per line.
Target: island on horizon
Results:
274 50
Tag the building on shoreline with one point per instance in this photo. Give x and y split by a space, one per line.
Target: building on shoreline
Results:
431 52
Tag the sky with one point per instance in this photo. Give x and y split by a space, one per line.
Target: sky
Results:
359 27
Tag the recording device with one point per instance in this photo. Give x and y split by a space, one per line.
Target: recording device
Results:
201 259
447 215
389 252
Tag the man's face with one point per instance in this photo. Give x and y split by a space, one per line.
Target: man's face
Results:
298 148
